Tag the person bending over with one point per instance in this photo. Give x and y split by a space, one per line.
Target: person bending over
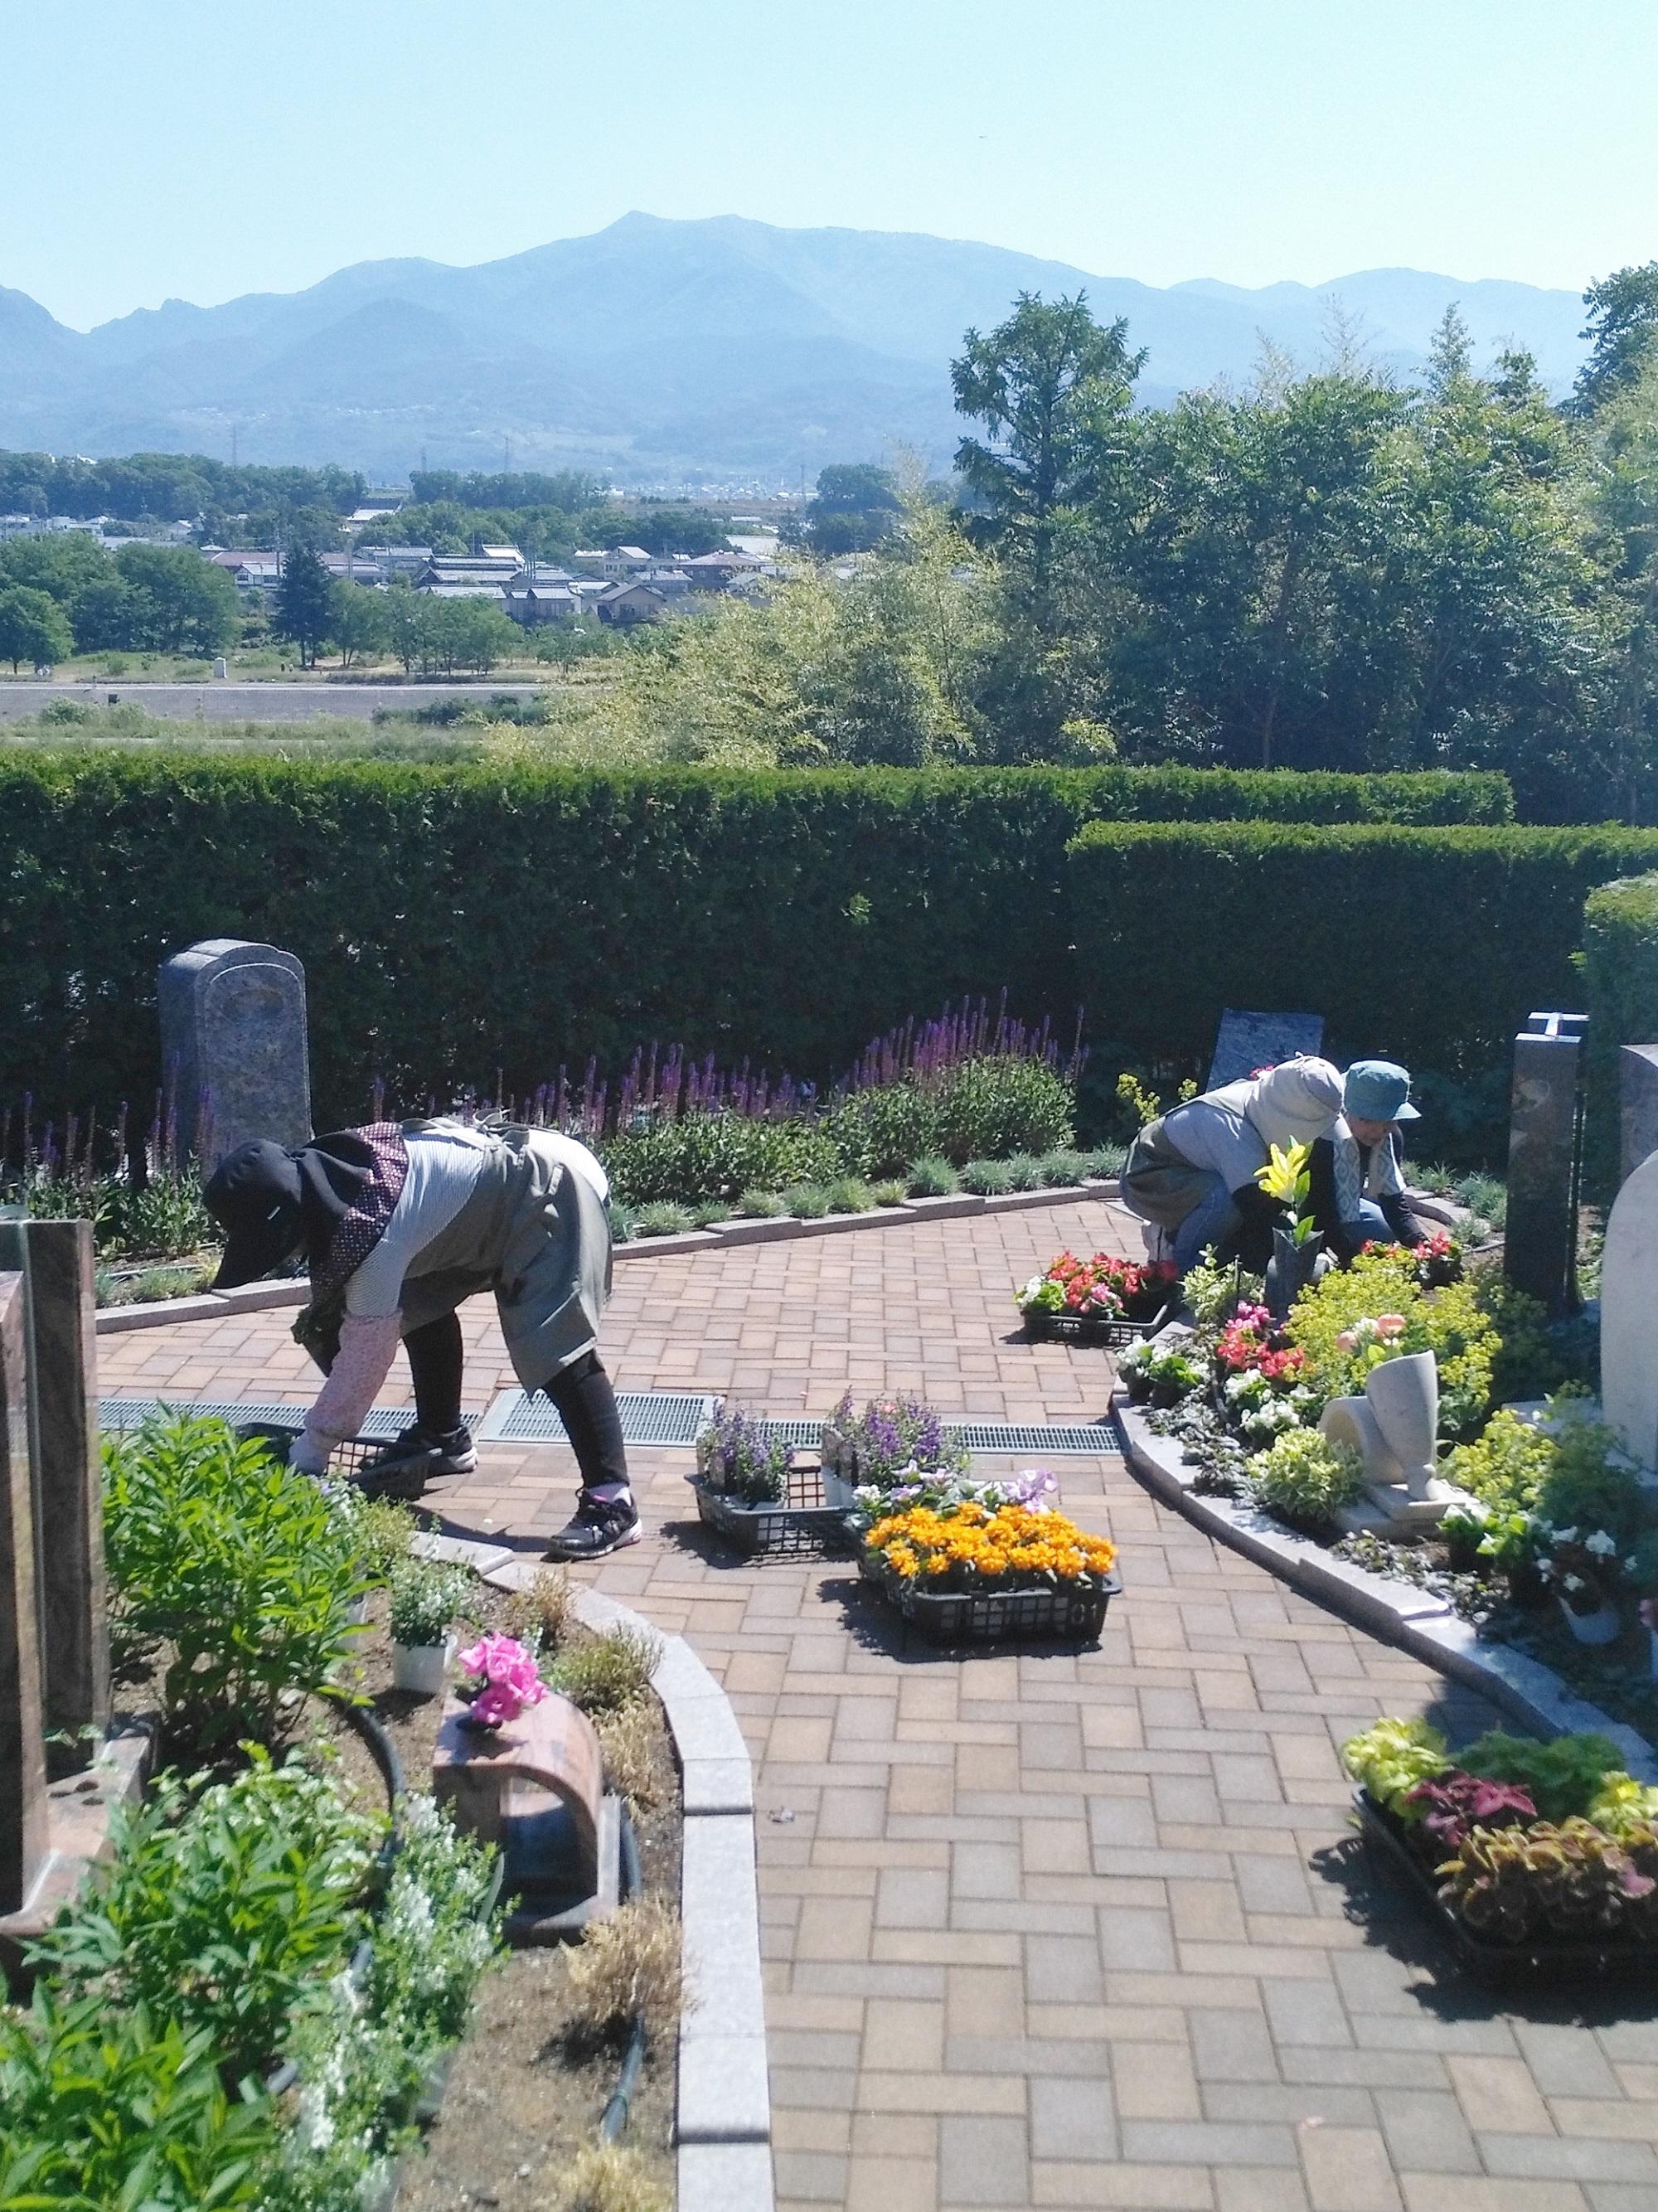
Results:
397 1224
1191 1174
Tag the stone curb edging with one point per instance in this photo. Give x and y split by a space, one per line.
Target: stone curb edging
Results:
722 2121
1413 1619
254 1297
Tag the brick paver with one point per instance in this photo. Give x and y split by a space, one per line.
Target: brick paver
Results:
1050 1929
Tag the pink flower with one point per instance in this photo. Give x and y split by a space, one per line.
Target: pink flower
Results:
1390 1324
495 1707
510 1677
1345 1341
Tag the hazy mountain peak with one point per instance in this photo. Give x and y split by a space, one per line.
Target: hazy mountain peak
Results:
660 348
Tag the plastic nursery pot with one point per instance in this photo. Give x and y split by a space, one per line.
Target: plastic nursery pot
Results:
421 1668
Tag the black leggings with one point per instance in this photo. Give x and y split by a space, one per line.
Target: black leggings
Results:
582 1393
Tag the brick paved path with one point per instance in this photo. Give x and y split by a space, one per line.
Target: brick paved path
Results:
1064 1929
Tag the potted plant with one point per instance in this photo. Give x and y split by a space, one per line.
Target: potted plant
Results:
1101 1300
1298 1245
1643 1573
1160 1373
1583 1568
749 1488
892 1442
426 1597
970 1572
1537 1859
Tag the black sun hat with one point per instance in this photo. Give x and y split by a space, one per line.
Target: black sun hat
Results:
254 1195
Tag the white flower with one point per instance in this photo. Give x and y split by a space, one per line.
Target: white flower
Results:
1575 1582
1031 1288
1600 1543
1563 1536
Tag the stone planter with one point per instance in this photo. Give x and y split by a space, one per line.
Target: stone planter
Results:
1601 1626
421 1668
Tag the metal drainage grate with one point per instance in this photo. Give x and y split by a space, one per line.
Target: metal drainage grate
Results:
1093 1437
648 1416
384 1421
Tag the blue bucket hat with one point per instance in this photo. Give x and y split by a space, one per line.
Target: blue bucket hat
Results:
1378 1090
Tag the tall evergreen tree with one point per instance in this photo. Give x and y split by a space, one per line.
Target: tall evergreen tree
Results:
305 604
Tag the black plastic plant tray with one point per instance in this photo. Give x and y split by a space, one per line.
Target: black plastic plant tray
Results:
1544 1960
996 1616
347 1460
1093 1329
799 1523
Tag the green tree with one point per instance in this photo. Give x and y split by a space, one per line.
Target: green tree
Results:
64 564
473 633
356 621
1051 386
1623 316
305 604
404 614
856 505
177 602
1450 353
32 628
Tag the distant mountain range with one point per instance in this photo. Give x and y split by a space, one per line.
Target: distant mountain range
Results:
719 351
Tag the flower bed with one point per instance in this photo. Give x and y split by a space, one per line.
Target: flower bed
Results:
1103 1300
257 2004
1537 1860
965 1570
1552 1548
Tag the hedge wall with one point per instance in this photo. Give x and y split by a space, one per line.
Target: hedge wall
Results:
1620 996
1429 946
453 920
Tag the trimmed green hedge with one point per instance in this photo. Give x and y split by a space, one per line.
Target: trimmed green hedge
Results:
456 920
1620 996
1429 946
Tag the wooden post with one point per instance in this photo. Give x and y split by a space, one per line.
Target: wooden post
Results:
22 1750
57 1261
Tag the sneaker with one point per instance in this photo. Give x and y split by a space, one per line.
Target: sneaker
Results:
417 1458
596 1530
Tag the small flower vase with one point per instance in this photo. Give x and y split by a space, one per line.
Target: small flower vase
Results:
1291 1269
1600 1627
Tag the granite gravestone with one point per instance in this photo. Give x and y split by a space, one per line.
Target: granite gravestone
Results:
1629 1297
1637 1100
234 1046
1545 1158
23 1832
1246 1042
56 1261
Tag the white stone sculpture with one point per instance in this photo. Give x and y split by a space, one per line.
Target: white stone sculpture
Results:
1629 1316
1394 1428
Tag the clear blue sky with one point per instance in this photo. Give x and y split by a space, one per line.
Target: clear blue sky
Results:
157 148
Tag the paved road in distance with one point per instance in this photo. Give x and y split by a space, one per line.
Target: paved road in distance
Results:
246 702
